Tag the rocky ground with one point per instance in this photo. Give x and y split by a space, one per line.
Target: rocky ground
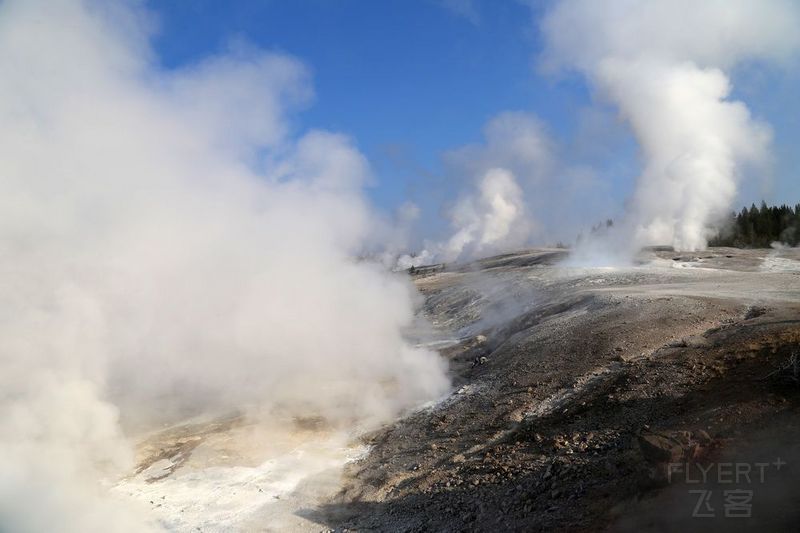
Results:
594 398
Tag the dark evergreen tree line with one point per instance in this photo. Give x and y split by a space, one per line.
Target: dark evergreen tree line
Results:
758 227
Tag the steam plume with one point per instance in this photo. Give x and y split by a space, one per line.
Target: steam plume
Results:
489 219
494 215
165 246
666 65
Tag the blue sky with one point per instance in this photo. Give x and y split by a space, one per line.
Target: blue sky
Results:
411 79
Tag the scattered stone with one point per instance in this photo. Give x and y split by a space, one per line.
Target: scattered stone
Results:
696 341
754 312
658 448
702 436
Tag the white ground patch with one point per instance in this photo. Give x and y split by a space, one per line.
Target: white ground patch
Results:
774 263
220 488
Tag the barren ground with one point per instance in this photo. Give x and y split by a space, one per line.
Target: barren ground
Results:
592 382
574 390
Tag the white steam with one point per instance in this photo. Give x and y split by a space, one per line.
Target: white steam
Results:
490 219
494 215
167 248
666 65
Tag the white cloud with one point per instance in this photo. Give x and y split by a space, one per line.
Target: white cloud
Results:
513 139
